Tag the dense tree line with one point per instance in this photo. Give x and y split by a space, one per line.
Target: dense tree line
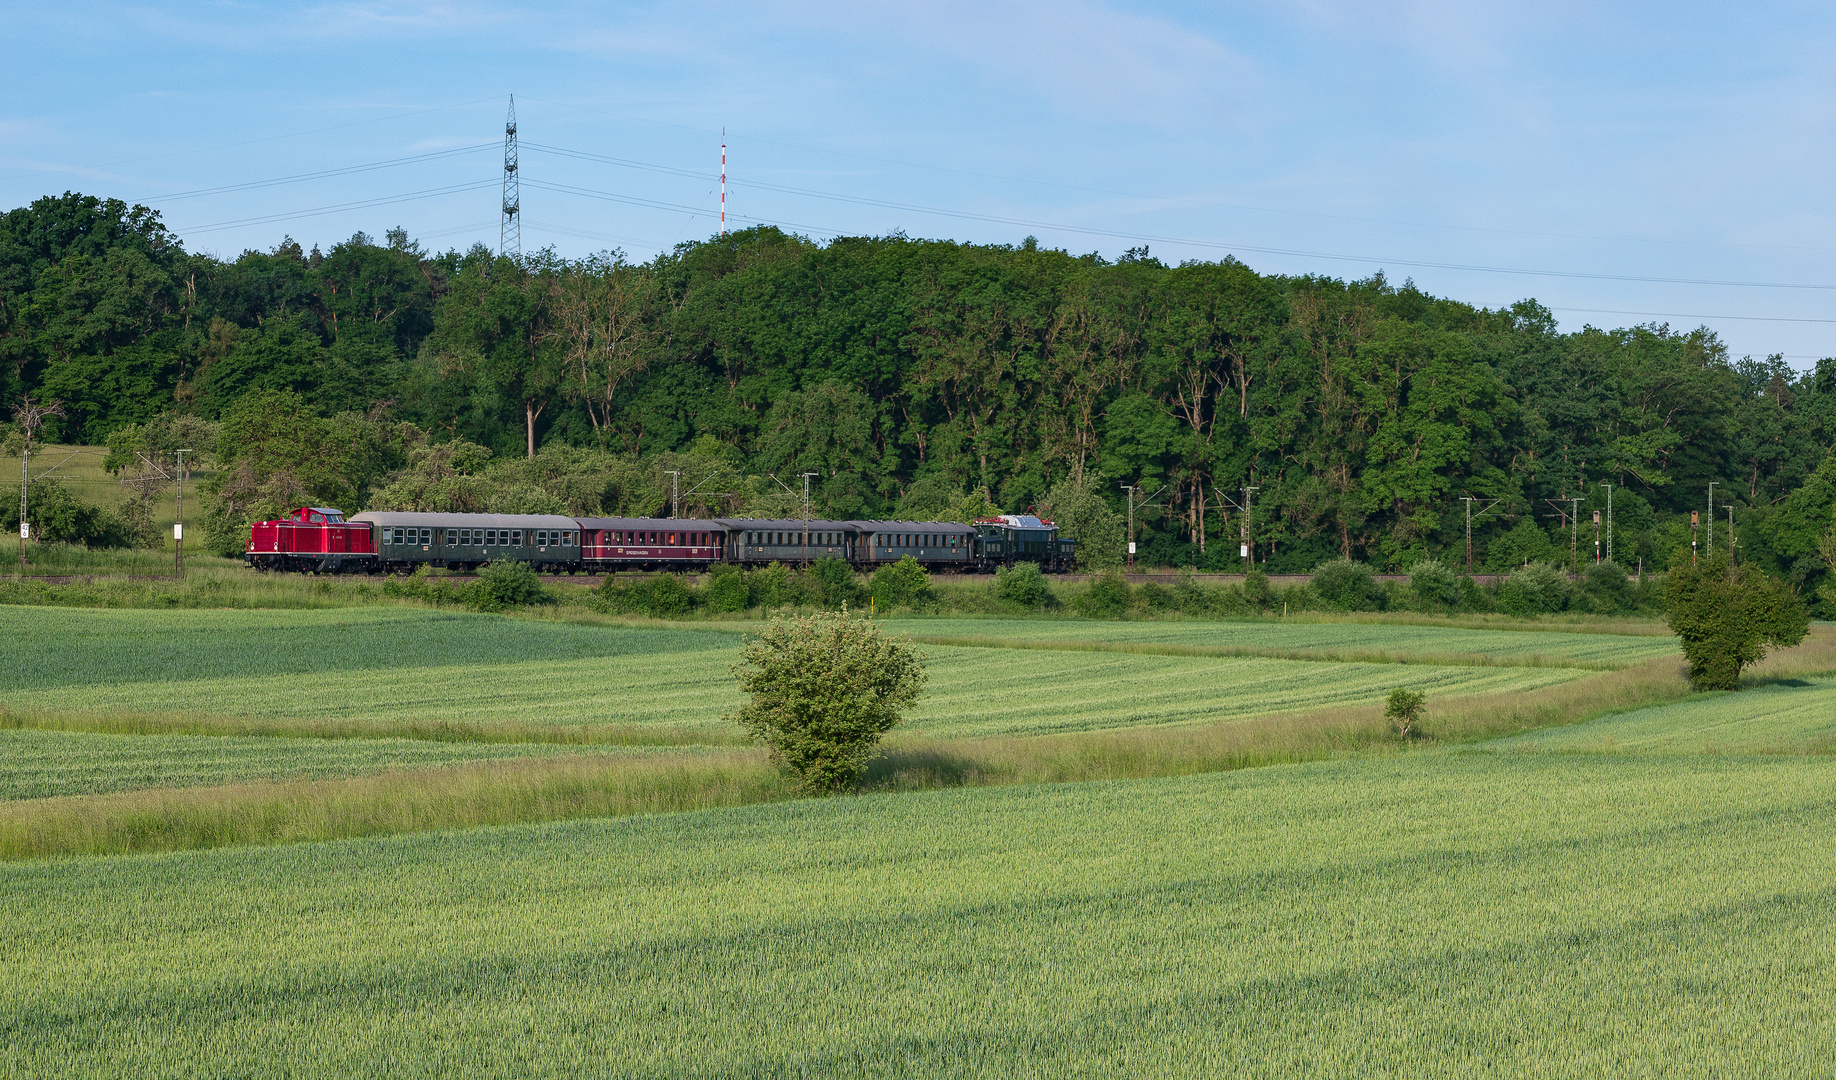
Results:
910 376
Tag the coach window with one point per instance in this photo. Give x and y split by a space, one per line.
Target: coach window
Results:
516 538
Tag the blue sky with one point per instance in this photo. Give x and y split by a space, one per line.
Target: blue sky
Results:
1654 163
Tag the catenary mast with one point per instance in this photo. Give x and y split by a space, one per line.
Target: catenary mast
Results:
510 232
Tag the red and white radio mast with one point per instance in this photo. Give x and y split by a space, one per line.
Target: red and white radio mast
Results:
723 181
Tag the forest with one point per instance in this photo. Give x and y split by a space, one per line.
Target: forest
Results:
909 378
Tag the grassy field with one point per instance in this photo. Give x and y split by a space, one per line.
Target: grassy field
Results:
1334 638
70 647
410 666
48 764
1422 915
1644 892
1789 717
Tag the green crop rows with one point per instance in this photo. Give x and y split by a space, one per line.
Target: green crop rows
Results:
42 764
638 681
1340 637
1426 915
1793 717
57 647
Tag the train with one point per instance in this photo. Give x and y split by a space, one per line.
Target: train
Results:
321 540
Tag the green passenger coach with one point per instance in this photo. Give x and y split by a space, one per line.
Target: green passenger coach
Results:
405 539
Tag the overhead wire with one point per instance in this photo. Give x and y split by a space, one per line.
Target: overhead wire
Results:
1153 238
1686 315
694 212
412 196
247 142
1187 201
371 166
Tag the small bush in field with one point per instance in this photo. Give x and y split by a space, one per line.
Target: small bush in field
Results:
835 583
824 689
1107 598
1404 709
1608 590
904 583
1347 586
1534 590
1434 585
507 584
725 589
1023 585
663 597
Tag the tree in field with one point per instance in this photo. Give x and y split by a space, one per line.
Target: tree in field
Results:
824 689
1404 710
1728 617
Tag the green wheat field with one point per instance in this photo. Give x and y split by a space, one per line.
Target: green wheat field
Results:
1641 886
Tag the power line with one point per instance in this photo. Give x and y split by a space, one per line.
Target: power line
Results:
1187 241
679 208
1037 181
588 234
411 196
1685 315
246 142
301 177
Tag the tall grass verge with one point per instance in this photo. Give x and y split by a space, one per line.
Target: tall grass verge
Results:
1135 753
165 723
174 819
1816 655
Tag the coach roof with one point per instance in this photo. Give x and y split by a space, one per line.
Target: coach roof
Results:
785 524
913 526
652 524
466 521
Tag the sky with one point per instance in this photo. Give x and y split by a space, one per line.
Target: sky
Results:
1620 163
